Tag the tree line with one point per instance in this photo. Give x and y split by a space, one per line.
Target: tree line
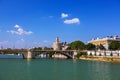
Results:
79 45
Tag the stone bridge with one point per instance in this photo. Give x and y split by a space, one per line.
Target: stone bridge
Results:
29 53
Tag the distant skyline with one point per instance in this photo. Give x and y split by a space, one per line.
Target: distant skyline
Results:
32 23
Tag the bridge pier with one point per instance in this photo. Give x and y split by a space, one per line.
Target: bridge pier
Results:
28 54
74 54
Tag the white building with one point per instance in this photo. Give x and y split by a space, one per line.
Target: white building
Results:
104 41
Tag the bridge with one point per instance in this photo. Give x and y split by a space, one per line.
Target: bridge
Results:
30 54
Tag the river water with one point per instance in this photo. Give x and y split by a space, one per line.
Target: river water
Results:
57 69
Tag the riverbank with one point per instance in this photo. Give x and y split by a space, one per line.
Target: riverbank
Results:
105 59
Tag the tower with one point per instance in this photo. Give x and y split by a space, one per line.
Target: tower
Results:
57 40
56 44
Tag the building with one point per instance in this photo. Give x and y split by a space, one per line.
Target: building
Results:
59 46
56 44
105 41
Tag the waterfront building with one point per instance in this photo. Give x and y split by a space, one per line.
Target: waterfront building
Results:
59 46
104 53
105 41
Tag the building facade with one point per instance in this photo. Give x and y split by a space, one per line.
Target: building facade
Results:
105 41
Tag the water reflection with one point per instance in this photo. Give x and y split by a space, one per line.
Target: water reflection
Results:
28 69
99 70
10 56
74 60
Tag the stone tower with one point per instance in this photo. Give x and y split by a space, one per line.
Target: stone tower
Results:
56 44
57 40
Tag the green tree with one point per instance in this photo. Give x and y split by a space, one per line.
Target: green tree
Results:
77 45
90 46
114 45
47 48
101 47
81 54
37 48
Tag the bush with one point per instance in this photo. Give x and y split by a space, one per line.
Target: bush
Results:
81 54
115 45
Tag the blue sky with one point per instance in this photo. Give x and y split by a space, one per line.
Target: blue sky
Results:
29 23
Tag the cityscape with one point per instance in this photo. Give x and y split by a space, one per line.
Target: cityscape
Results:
59 39
38 25
108 47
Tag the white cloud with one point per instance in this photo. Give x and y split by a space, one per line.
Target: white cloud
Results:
45 41
19 31
72 21
63 15
17 26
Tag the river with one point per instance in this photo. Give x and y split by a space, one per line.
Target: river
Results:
57 69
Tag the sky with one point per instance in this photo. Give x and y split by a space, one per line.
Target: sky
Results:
33 23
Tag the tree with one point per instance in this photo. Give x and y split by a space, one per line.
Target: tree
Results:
77 45
114 45
101 47
47 48
81 54
37 48
90 46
